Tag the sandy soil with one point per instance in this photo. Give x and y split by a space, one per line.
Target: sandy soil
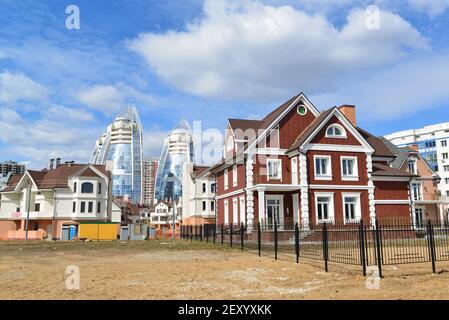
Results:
183 270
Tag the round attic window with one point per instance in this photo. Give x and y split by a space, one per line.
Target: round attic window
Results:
302 110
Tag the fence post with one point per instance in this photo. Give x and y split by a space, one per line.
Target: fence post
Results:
201 232
325 247
241 235
215 232
259 241
222 234
230 235
207 232
431 242
275 240
362 248
378 251
191 233
297 242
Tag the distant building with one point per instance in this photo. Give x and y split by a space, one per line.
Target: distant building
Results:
121 145
56 202
163 216
433 145
11 167
149 180
178 149
198 195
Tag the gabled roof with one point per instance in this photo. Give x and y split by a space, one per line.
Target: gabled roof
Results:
400 154
380 169
12 182
381 150
308 131
58 177
199 170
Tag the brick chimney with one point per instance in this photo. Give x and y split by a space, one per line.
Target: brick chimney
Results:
349 112
414 147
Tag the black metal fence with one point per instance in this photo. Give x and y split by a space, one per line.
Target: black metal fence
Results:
383 242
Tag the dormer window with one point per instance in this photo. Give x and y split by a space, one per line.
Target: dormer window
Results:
335 131
87 187
412 167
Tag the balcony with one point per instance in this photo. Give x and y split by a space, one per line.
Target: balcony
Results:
427 197
23 215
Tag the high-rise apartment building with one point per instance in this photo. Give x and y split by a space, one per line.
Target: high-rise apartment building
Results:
149 180
121 145
11 167
433 145
178 149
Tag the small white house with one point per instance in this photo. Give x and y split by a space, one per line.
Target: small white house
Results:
198 195
50 201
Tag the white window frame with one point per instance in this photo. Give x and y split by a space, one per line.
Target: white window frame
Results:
279 172
358 207
226 211
420 197
444 143
294 170
327 176
335 125
234 175
445 155
331 212
226 178
415 165
355 175
235 210
242 208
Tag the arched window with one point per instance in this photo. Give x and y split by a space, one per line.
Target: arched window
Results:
87 187
335 130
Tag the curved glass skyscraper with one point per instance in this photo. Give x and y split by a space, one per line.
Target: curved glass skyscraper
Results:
178 149
121 147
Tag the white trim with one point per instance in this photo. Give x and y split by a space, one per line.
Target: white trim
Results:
335 147
391 201
235 210
331 208
278 138
230 194
279 172
275 187
358 208
386 159
226 179
336 125
390 178
328 175
226 212
340 187
355 176
269 151
234 175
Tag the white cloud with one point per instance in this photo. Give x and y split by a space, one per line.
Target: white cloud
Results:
112 98
244 49
408 88
18 87
41 139
153 141
104 98
431 7
59 112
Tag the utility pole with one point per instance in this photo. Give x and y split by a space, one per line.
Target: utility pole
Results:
28 210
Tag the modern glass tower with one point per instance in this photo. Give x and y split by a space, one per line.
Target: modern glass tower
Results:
121 148
178 149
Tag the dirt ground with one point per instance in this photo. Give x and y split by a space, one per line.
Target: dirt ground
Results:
184 270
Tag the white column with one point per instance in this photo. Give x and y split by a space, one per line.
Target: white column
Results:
304 191
295 200
261 197
371 198
249 193
441 208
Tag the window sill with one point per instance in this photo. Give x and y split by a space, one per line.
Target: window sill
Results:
328 178
330 221
349 178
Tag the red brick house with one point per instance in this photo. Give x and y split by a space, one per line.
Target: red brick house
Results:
301 165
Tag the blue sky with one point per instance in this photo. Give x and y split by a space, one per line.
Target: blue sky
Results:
209 61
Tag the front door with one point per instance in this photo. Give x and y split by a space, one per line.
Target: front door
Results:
273 213
419 217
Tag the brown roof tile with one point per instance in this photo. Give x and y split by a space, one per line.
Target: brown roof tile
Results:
385 170
12 182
